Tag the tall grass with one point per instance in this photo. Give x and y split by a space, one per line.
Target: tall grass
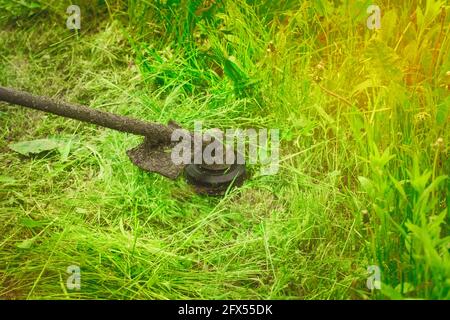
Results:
364 118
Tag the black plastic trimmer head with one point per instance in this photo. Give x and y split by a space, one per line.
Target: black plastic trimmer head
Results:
152 155
214 180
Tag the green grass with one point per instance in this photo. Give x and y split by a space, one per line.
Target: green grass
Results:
364 122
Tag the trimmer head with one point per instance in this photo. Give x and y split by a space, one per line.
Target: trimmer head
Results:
215 180
207 179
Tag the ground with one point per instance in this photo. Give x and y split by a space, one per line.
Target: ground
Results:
363 116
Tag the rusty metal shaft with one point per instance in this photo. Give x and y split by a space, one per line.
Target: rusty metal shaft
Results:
155 132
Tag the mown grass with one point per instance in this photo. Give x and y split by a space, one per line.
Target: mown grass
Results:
364 153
